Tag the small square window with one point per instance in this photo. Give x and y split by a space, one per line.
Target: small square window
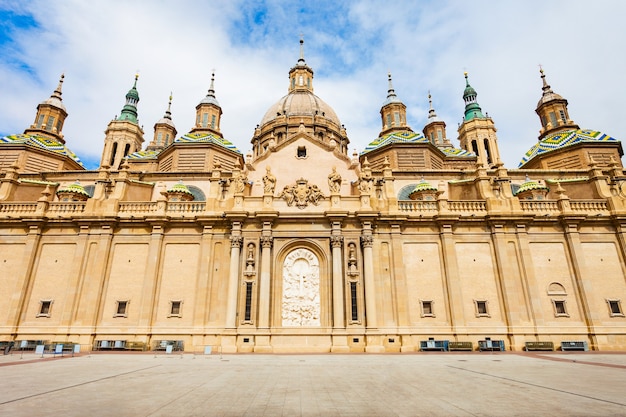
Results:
427 308
481 308
301 152
560 309
175 308
615 308
44 308
121 309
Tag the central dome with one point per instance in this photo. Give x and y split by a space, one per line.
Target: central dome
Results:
300 103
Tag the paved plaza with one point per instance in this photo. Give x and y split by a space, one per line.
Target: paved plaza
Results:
420 384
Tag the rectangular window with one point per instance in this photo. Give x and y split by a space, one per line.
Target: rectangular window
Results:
427 308
553 119
175 308
40 121
167 139
213 122
615 308
121 309
481 308
388 120
353 302
44 308
559 308
396 117
562 114
248 312
439 136
50 123
205 119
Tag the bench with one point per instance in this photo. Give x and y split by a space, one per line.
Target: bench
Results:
461 346
574 345
491 345
431 344
176 345
539 346
135 346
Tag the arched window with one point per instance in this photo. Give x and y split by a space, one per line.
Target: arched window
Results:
487 151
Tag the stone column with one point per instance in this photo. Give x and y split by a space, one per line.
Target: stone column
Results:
152 280
336 243
264 283
584 287
25 269
233 279
367 241
452 278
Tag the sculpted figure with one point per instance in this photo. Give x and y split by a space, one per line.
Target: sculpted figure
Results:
365 183
334 181
269 182
240 183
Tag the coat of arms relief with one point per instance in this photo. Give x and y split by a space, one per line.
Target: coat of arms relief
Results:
301 193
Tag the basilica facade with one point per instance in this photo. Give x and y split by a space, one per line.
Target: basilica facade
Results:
300 246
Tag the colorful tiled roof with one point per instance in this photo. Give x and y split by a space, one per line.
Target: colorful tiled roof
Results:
40 142
530 185
179 187
402 137
564 139
457 152
207 138
413 137
143 155
424 185
75 187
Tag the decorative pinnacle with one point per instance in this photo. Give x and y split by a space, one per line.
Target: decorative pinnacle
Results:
301 60
212 86
390 91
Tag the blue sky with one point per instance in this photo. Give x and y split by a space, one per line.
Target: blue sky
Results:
351 45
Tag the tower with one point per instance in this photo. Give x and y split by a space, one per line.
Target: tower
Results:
552 111
208 113
393 112
51 115
123 135
477 133
435 129
301 75
164 130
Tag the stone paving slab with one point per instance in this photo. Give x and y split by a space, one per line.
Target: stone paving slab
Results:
424 384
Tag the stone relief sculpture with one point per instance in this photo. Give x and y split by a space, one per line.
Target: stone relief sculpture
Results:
301 289
269 182
334 181
366 182
240 182
301 193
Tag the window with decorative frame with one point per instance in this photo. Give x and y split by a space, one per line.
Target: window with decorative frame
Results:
427 308
176 308
615 308
560 309
45 306
121 308
482 308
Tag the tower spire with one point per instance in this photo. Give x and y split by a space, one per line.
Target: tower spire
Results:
472 108
391 93
301 60
129 111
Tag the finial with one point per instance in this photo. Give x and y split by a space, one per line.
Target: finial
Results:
546 87
466 79
390 92
301 48
168 112
58 90
136 78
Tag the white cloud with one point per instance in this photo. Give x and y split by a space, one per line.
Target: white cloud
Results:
426 46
